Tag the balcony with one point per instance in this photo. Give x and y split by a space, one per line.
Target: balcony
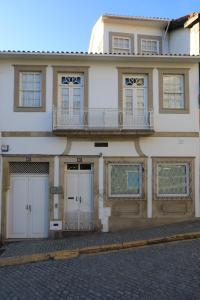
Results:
102 121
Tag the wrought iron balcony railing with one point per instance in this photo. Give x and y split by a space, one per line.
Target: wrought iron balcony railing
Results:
102 119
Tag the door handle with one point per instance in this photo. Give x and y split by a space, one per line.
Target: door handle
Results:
80 199
76 198
29 208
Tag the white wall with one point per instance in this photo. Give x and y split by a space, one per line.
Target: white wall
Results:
97 36
195 39
147 30
179 41
103 93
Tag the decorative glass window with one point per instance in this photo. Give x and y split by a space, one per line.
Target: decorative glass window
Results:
125 180
121 44
30 89
173 91
173 179
150 46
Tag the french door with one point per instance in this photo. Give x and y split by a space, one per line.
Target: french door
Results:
135 100
70 91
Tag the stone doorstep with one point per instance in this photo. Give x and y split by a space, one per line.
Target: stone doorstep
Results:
68 254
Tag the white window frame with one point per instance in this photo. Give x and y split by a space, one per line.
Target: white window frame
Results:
118 49
175 93
21 90
187 177
150 40
126 195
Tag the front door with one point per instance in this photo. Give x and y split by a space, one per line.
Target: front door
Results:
79 210
28 206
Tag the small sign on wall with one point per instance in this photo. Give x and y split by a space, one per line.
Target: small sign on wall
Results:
56 190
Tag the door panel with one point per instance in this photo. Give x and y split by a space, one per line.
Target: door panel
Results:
17 218
86 205
72 203
79 203
38 201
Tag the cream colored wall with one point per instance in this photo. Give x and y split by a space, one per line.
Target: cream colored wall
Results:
103 93
195 39
179 41
147 30
97 36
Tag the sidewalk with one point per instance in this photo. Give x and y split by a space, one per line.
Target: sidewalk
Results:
22 248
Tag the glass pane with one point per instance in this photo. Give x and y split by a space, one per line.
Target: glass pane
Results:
173 91
72 166
30 89
172 179
125 180
65 98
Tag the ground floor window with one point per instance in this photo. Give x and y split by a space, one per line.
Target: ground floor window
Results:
125 180
173 179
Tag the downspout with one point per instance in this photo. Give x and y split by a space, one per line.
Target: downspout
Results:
165 33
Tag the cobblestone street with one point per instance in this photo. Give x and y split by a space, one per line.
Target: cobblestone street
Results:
168 271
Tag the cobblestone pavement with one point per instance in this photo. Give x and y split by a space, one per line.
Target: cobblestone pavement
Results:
168 271
39 246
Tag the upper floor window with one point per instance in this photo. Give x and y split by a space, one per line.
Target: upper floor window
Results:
30 89
121 42
149 44
174 91
30 86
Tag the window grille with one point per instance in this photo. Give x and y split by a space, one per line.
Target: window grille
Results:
126 180
174 179
29 168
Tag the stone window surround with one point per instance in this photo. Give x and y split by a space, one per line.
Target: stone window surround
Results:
132 70
124 35
124 195
29 68
172 160
148 37
71 69
175 71
121 161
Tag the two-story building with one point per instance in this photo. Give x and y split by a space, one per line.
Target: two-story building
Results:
103 140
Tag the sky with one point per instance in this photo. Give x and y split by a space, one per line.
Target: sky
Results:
65 25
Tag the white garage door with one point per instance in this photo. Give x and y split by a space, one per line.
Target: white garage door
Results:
28 203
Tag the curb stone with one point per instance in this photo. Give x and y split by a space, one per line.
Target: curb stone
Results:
68 254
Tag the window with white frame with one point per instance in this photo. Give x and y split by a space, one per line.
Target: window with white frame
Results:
173 179
125 180
173 91
121 44
149 46
30 93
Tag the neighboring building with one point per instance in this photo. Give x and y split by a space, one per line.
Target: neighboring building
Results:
105 141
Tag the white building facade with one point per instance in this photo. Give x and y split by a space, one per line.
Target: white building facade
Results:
103 140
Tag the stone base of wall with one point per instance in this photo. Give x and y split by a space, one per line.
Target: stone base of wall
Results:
116 223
